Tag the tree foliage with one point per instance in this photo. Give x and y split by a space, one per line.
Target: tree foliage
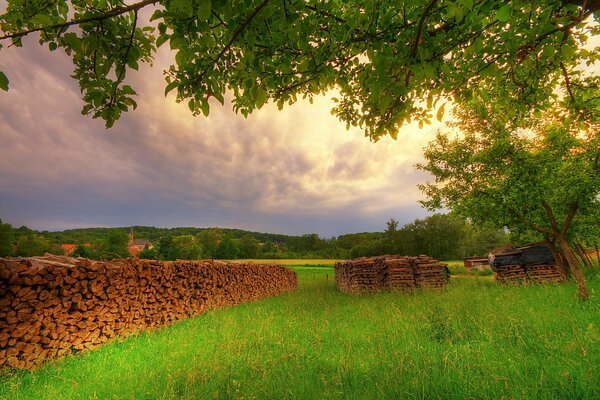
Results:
32 245
6 239
391 62
114 245
186 247
542 182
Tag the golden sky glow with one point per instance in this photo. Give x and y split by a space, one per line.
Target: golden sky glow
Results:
291 171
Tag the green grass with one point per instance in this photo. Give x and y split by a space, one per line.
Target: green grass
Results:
474 339
292 262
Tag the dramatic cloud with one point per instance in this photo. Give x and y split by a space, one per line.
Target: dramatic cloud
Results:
291 171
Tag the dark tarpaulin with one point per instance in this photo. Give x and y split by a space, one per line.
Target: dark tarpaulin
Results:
507 255
529 254
537 254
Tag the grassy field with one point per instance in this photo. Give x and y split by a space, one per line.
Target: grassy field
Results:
474 339
293 262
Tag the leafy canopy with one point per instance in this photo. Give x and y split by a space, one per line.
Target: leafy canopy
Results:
392 62
545 180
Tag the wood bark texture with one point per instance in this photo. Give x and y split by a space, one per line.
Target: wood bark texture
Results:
51 306
389 273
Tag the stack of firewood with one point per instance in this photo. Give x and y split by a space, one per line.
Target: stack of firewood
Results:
51 306
511 273
429 272
544 273
398 274
359 275
389 272
532 262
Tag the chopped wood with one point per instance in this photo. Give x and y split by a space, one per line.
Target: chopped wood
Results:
55 305
389 273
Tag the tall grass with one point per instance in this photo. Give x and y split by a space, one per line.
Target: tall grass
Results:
474 339
292 262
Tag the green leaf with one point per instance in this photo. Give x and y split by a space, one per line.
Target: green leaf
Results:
204 10
429 99
156 15
261 97
3 82
182 7
41 20
63 8
170 87
161 40
219 97
440 113
129 101
73 41
128 90
52 46
549 51
96 96
205 108
503 13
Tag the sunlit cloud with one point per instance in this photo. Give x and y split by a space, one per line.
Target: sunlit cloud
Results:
291 171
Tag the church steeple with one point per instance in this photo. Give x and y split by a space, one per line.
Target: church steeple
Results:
131 235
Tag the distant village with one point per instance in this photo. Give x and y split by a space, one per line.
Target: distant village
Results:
134 246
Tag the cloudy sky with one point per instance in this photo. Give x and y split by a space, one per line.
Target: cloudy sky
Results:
293 171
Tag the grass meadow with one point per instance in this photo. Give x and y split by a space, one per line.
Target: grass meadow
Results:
473 339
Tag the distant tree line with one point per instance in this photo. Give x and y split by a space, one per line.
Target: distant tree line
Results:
441 236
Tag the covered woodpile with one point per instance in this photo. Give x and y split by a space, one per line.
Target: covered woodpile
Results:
51 306
389 273
528 263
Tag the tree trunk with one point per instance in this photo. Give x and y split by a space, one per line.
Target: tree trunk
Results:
581 252
557 257
571 260
588 257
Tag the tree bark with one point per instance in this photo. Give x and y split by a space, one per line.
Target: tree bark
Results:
557 257
571 260
584 256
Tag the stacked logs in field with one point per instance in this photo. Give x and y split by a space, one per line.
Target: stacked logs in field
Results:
358 275
511 273
528 263
429 273
398 274
544 273
51 306
389 273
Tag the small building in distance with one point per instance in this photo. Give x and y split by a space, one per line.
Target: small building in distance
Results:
69 248
137 245
476 263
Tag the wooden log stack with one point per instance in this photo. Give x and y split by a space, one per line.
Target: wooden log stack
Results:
51 306
389 273
359 275
429 272
511 273
398 274
532 262
544 273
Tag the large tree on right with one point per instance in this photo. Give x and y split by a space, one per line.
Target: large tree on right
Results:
540 181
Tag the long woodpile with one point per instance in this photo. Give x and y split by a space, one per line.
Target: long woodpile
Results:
528 263
389 273
51 306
